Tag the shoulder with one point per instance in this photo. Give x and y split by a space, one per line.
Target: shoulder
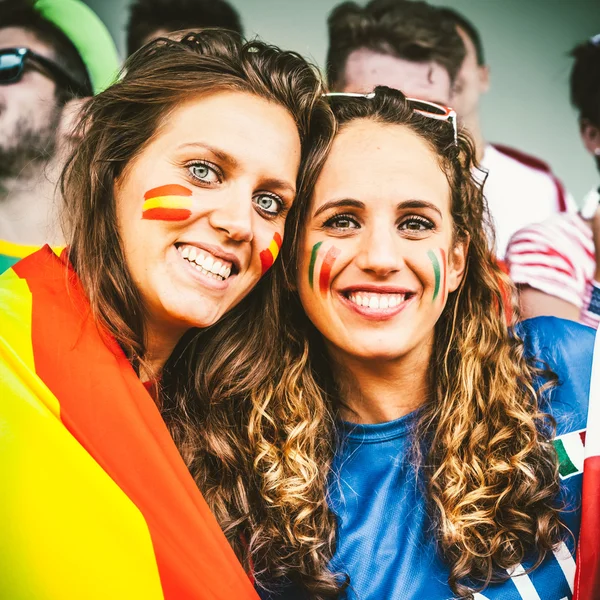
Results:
566 348
528 170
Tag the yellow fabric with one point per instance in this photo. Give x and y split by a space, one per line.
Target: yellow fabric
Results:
58 509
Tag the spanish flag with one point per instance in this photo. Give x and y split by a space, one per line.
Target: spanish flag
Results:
95 500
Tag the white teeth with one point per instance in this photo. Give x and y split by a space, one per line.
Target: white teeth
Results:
206 264
376 301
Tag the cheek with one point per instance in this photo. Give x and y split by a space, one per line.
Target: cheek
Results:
269 255
167 203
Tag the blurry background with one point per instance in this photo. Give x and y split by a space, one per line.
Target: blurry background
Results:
526 44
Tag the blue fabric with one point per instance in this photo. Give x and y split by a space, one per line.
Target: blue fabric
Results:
385 543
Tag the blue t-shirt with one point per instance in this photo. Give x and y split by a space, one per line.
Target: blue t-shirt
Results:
385 543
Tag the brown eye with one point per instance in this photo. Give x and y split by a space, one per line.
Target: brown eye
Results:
416 224
342 222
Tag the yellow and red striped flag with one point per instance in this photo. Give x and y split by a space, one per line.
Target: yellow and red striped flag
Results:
95 500
587 577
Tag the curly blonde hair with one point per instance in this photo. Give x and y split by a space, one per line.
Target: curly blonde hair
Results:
488 466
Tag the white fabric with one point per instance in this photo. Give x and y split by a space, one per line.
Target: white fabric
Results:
517 195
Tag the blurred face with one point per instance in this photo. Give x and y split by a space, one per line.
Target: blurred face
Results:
472 81
29 113
366 69
377 259
201 210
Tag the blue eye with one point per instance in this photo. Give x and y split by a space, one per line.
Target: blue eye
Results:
268 203
342 222
204 172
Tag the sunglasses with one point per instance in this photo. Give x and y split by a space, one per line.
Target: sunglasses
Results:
12 67
422 107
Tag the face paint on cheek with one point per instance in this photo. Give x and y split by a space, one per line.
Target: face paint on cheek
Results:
268 256
445 270
167 203
326 266
436 272
313 260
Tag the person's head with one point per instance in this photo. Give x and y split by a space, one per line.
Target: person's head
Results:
41 71
585 93
151 19
389 264
403 45
176 199
473 79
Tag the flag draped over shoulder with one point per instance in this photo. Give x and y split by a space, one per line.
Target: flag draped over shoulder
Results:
587 578
95 500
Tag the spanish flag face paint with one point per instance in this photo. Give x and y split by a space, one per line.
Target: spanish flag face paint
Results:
268 256
167 203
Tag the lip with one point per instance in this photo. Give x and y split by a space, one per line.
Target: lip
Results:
375 314
216 251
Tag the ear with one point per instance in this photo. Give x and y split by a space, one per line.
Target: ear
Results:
457 263
590 134
484 79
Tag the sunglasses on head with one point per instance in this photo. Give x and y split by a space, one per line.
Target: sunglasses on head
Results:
12 67
422 107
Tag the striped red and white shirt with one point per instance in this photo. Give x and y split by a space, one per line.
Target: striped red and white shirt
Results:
557 257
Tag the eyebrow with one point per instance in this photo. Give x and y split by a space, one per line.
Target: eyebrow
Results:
233 163
352 203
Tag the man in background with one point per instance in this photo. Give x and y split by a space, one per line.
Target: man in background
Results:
520 189
404 45
150 19
42 76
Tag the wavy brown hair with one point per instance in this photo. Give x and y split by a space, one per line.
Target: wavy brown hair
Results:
488 467
208 378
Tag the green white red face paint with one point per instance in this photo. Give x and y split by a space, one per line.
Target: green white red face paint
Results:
326 266
167 203
439 273
268 256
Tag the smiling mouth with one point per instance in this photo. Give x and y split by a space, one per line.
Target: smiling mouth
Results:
206 263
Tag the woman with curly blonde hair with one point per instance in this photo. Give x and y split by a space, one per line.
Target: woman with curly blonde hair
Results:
410 444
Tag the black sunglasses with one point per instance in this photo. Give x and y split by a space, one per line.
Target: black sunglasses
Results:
12 67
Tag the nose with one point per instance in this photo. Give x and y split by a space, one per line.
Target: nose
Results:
380 252
234 213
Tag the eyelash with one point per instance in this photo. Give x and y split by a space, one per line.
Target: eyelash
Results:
282 205
427 224
208 165
329 223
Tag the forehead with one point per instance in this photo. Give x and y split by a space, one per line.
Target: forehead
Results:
366 69
255 132
375 162
19 37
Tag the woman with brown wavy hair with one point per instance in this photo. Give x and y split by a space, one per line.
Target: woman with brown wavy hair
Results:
175 203
417 445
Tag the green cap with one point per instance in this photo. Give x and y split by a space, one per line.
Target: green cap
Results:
89 36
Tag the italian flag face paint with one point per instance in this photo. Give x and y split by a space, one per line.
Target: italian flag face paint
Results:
167 203
439 272
325 269
268 256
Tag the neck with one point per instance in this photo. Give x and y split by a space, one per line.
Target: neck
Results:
160 343
28 206
377 391
472 124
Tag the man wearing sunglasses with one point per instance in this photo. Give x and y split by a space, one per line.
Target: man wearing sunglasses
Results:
43 76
